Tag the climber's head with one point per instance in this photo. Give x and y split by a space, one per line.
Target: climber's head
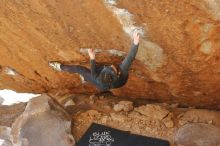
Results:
108 75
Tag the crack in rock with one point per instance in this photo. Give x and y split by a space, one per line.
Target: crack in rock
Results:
10 71
110 51
149 52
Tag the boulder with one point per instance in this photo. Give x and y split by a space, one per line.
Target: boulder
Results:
123 105
153 111
8 114
198 134
5 136
43 123
1 100
200 116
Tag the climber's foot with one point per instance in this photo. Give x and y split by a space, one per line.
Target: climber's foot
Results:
55 65
82 79
104 93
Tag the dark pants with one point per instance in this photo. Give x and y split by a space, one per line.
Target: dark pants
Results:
85 72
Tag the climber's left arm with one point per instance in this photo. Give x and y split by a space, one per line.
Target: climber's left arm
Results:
126 63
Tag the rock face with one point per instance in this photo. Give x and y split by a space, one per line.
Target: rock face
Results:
5 136
10 113
200 116
43 122
123 105
153 111
1 100
198 134
178 58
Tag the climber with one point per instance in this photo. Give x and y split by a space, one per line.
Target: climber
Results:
104 77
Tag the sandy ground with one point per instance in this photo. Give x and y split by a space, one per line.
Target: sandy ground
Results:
159 120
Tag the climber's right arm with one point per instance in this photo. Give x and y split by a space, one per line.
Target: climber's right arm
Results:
92 62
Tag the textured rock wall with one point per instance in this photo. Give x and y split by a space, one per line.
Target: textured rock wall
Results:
178 58
188 32
44 122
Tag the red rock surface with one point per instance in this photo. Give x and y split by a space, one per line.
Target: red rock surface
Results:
178 59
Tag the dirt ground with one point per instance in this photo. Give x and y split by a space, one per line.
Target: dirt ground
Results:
141 117
179 125
186 33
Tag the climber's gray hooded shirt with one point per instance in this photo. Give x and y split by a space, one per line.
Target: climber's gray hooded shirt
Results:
119 80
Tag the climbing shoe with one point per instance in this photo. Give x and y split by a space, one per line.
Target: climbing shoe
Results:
82 79
55 65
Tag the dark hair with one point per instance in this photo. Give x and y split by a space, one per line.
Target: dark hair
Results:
107 77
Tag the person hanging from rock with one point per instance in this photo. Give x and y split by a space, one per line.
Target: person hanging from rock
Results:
104 77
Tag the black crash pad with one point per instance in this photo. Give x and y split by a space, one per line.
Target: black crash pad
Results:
100 135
